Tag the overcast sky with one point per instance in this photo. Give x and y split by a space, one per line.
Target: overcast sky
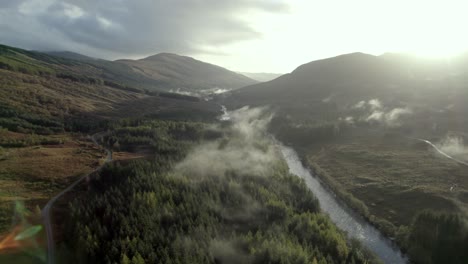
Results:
242 35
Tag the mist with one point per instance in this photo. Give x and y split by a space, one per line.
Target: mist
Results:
374 111
244 150
454 146
245 147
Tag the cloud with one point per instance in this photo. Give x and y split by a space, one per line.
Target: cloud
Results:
228 252
390 118
376 116
113 28
349 120
374 111
246 148
454 146
395 114
360 105
375 104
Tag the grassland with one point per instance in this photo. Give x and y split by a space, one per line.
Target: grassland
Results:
34 174
47 106
390 179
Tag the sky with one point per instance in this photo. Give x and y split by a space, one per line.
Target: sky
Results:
242 35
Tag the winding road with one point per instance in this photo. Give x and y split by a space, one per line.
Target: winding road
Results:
46 211
440 151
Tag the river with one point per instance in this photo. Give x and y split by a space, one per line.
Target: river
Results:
343 217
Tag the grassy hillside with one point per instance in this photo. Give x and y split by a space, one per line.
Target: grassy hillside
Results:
161 72
48 107
353 118
185 73
40 92
347 79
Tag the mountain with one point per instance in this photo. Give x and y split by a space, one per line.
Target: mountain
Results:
359 122
261 76
174 71
319 79
162 72
46 94
71 55
350 78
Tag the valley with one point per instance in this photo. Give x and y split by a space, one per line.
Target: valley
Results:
196 173
355 120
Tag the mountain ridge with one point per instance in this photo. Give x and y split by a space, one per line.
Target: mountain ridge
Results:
187 73
163 71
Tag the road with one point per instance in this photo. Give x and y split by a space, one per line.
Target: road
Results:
46 211
441 152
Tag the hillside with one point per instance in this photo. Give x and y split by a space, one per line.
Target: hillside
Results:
186 73
356 120
161 72
224 199
349 78
46 94
48 108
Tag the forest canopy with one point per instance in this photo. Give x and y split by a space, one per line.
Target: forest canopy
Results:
182 208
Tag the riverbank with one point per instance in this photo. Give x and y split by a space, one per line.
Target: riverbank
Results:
390 182
344 218
387 228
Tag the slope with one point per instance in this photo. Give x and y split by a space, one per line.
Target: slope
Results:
354 118
48 105
186 73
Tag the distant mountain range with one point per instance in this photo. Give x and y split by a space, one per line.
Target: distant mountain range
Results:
186 73
350 78
261 76
63 91
164 71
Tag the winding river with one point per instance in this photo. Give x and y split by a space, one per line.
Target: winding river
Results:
343 217
347 220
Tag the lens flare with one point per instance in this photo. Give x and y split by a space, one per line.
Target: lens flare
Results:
24 237
9 243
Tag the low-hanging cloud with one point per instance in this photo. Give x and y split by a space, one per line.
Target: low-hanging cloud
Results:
246 148
374 111
375 104
111 29
454 146
359 105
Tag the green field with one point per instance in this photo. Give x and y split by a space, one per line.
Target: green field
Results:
395 179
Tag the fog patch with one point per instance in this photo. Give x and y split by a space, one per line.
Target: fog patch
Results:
391 118
376 116
227 252
182 92
375 112
206 94
394 115
246 147
360 105
372 104
454 146
349 120
328 99
375 104
244 150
